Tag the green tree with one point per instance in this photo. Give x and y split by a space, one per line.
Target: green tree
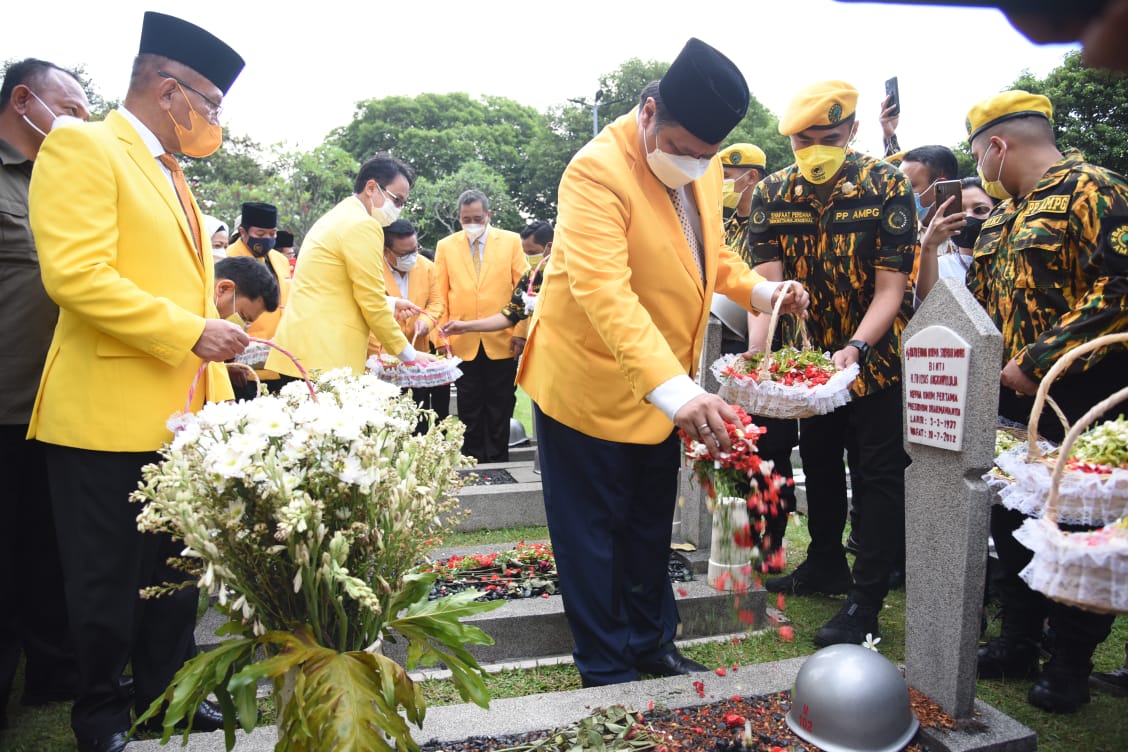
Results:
438 133
308 184
433 205
1090 110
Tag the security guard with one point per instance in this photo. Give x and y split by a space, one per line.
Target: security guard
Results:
744 165
1050 268
844 224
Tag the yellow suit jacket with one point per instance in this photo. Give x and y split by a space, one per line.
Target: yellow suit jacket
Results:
423 291
337 296
622 308
469 296
117 256
266 325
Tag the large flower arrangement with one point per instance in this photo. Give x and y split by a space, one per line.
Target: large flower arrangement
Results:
304 516
744 489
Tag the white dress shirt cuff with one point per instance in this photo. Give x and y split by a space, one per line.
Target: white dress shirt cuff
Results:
762 294
409 354
672 395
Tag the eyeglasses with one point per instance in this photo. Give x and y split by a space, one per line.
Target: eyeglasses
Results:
397 200
215 109
405 253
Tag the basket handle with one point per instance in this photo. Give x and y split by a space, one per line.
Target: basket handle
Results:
204 366
766 361
533 276
434 328
1096 411
1042 396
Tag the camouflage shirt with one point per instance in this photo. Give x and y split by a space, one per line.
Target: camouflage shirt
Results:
1051 268
736 236
514 310
835 250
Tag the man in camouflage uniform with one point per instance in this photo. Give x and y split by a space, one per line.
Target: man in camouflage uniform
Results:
844 224
1050 268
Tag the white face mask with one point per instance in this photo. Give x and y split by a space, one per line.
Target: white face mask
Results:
404 264
674 170
59 120
386 213
473 232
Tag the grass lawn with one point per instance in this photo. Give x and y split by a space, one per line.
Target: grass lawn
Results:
1101 726
523 411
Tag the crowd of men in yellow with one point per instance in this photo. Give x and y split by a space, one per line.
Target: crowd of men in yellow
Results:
113 327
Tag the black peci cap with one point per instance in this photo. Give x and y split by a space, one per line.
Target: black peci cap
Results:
258 214
285 239
190 45
705 92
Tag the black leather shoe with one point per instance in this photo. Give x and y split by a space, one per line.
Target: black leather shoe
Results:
208 717
112 743
670 664
809 580
1061 688
1007 658
856 619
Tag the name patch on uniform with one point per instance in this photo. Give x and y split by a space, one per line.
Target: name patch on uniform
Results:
1048 205
791 217
995 221
857 214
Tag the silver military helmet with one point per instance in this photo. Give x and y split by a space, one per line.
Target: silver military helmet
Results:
517 435
848 698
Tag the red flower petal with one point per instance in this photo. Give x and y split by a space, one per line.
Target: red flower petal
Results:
787 634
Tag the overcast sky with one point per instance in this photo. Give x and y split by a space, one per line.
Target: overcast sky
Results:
308 63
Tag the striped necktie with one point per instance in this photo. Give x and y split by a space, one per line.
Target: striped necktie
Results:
687 228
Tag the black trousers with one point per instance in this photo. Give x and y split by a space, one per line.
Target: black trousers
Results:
610 509
486 396
1076 632
106 561
873 424
33 612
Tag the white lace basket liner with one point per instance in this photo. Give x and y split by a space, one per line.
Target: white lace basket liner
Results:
1088 570
771 399
254 356
392 370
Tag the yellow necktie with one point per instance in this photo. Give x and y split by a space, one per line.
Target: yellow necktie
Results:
476 249
184 195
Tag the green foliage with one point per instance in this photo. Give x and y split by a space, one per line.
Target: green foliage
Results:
437 134
1090 110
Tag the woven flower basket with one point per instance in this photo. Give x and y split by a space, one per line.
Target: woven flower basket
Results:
1088 570
420 375
759 395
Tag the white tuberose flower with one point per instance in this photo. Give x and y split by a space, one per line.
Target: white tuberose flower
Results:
871 642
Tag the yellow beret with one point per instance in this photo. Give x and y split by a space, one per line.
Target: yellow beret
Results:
1006 106
821 105
744 155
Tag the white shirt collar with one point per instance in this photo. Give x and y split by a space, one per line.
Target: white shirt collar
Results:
147 136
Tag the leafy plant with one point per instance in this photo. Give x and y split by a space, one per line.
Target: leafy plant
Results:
304 513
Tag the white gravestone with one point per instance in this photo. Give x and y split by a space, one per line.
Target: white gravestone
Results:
952 357
935 383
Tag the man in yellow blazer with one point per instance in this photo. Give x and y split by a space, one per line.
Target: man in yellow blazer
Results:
122 251
411 276
255 238
478 268
338 294
614 343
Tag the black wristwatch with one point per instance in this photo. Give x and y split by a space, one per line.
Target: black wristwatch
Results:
863 349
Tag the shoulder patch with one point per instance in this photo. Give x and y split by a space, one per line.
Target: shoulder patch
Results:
1118 239
896 220
758 220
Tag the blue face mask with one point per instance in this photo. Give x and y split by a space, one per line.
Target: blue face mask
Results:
922 210
259 246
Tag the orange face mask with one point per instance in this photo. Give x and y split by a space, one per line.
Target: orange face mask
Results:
203 138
